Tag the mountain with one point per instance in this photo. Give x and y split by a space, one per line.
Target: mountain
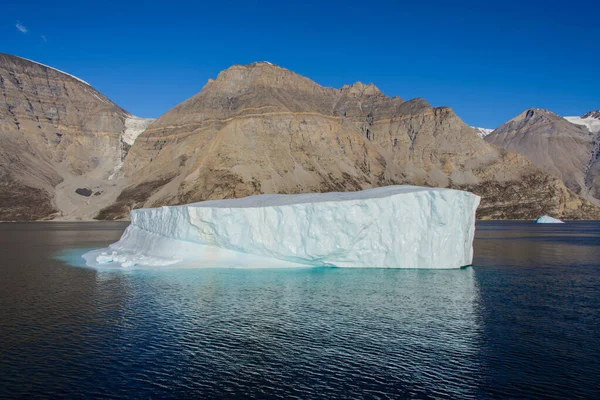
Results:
556 145
591 120
592 114
482 132
264 129
60 142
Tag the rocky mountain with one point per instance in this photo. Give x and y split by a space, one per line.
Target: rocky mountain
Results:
591 120
61 143
592 114
556 145
264 129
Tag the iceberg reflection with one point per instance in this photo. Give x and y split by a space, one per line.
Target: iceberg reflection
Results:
350 330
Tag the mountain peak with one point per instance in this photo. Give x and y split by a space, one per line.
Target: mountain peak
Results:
360 89
535 114
22 59
250 72
238 78
254 65
592 114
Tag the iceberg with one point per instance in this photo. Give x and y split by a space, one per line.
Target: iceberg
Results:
386 227
548 220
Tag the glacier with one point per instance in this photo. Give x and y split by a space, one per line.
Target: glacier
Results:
482 132
548 220
591 123
134 126
386 227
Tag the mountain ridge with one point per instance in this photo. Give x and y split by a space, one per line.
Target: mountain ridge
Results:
254 129
590 120
263 129
59 134
566 150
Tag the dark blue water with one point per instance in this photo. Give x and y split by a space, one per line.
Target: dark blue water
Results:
523 322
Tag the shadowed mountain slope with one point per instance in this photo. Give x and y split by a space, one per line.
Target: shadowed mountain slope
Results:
556 145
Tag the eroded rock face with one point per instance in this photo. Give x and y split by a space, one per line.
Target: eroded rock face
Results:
559 147
264 129
57 134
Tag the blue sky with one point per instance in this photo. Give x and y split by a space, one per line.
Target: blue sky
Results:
487 60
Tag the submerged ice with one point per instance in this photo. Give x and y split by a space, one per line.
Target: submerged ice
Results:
388 227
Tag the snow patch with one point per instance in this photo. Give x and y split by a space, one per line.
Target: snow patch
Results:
102 99
388 227
116 170
483 132
591 123
57 70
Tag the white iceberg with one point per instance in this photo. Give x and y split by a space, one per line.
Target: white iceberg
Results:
387 227
548 220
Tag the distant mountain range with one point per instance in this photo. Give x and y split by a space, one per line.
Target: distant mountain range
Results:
565 147
68 152
591 120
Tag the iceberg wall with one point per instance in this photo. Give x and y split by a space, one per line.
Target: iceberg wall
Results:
387 227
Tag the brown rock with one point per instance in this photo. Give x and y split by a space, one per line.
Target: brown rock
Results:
264 129
57 134
563 149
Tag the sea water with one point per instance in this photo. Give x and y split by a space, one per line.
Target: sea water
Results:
522 322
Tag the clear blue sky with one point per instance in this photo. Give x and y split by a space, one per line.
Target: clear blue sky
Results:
487 60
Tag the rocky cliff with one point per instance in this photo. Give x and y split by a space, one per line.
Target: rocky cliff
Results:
264 129
591 114
60 142
559 147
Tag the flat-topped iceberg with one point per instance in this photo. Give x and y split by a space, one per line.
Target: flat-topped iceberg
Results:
387 227
548 220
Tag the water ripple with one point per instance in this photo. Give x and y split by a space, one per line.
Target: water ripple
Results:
507 328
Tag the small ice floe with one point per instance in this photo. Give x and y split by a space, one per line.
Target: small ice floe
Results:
548 220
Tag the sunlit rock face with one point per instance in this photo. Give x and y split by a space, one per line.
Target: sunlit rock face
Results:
57 134
262 129
388 227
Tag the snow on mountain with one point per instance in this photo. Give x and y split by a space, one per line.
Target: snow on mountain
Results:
482 132
592 114
590 120
386 227
134 126
57 70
